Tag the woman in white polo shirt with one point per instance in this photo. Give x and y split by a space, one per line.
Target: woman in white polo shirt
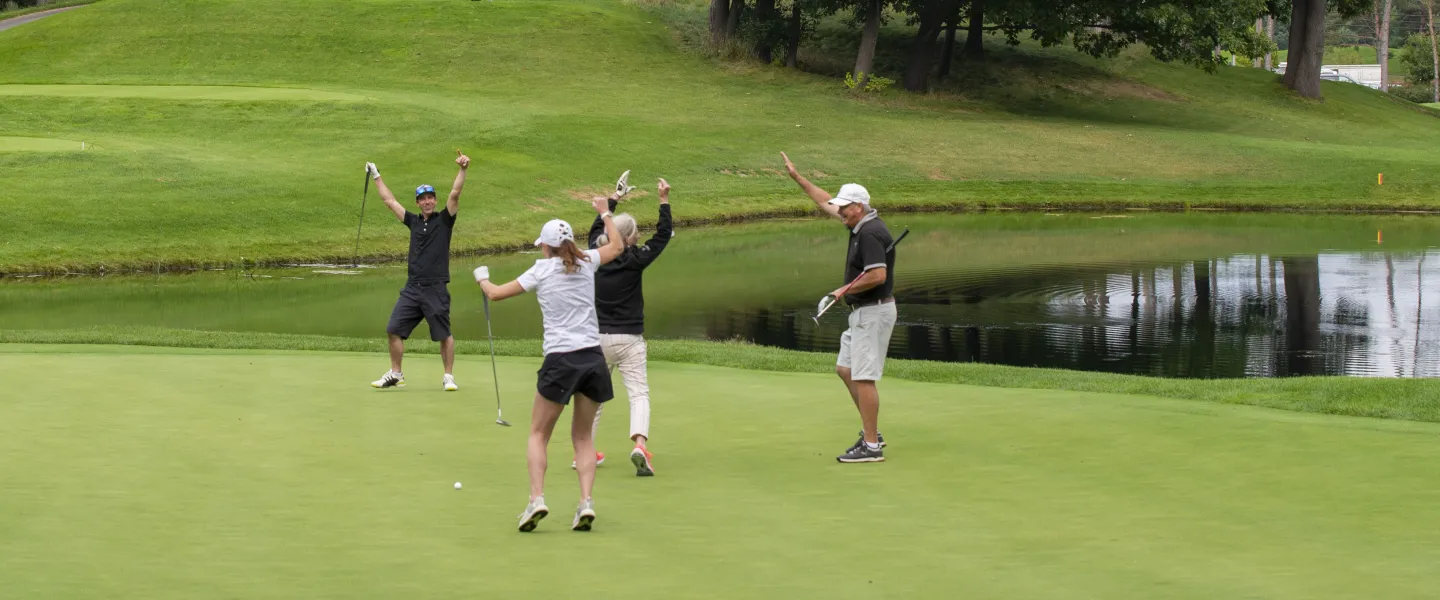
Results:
564 284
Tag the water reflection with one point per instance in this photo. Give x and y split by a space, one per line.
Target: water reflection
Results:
1357 313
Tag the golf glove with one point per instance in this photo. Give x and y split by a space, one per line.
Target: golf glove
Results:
373 170
622 185
481 273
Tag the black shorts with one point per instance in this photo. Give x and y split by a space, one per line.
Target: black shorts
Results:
430 302
564 374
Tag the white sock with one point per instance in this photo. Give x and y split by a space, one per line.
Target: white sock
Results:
872 446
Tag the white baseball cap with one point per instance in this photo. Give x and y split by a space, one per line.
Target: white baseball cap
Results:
851 193
554 233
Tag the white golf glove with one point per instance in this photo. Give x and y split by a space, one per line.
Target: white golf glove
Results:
481 273
373 170
824 302
622 185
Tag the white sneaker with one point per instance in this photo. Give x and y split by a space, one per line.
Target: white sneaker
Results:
391 379
449 383
584 516
534 511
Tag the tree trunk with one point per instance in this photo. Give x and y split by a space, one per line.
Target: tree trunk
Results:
1259 30
1434 53
719 21
1383 8
870 35
975 37
1307 47
1270 33
922 54
947 51
1302 315
793 31
766 13
732 24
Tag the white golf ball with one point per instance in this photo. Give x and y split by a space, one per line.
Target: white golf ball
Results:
457 485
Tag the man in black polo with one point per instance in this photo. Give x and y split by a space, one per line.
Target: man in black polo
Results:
870 277
425 295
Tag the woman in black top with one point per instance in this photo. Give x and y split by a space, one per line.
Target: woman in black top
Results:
620 306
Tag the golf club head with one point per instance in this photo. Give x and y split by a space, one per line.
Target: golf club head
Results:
502 422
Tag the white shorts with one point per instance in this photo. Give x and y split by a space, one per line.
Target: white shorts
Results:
864 345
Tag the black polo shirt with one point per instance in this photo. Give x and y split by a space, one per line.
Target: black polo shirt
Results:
868 242
430 247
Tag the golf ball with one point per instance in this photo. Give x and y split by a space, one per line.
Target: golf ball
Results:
457 485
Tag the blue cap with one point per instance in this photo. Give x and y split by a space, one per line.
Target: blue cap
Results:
424 189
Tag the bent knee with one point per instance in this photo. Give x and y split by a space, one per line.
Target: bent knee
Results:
843 372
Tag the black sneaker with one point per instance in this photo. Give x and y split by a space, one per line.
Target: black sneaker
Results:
862 454
879 437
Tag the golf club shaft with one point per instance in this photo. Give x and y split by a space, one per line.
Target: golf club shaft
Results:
857 278
355 258
494 372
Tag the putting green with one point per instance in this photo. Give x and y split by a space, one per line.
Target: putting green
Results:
140 472
181 92
33 144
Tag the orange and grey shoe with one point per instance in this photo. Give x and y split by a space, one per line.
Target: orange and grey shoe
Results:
640 457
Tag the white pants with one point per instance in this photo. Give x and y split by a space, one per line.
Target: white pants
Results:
627 353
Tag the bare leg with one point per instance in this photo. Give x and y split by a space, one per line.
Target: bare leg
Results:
844 373
447 354
868 400
542 423
581 424
397 352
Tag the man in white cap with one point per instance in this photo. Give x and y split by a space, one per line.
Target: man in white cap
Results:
869 291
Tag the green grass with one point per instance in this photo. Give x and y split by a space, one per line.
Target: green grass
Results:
553 99
168 473
28 144
1407 399
51 5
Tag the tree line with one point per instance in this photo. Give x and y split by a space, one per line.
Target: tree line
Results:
1191 32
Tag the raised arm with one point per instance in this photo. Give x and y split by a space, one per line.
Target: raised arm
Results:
614 245
385 194
598 227
452 205
821 197
663 228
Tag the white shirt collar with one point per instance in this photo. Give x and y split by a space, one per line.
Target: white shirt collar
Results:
873 214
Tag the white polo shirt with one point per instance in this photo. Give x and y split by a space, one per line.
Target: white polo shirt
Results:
567 302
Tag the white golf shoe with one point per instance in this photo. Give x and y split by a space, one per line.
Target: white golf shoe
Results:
391 379
449 383
534 511
584 516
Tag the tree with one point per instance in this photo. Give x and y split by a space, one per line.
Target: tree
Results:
931 16
947 48
1307 40
1383 10
794 31
1417 59
768 29
719 21
870 11
1434 53
975 33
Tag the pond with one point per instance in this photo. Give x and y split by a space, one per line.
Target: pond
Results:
1176 295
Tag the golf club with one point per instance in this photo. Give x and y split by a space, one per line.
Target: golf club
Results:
355 258
824 306
494 373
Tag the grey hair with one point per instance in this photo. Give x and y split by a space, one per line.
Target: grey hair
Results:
629 231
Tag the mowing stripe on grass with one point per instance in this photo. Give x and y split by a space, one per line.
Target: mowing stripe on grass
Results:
33 144
182 92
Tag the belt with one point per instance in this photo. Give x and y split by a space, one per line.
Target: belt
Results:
873 302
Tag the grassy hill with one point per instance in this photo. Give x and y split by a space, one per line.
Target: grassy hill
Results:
193 155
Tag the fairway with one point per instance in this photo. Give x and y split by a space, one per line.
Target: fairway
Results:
167 473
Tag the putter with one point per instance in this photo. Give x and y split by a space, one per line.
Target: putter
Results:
824 306
494 374
355 258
